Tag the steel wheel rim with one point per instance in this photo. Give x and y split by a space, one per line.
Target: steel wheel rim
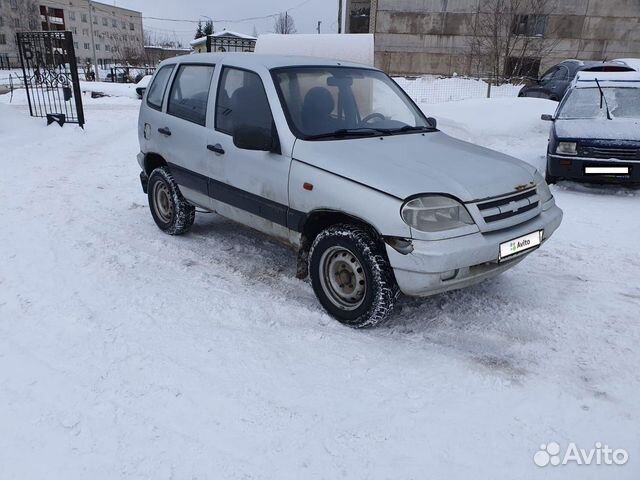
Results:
342 278
162 203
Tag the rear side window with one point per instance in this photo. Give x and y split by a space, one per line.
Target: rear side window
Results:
242 101
155 96
190 93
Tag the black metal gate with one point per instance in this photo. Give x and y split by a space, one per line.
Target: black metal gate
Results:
51 76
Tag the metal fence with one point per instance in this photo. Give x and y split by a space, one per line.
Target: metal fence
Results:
431 89
50 76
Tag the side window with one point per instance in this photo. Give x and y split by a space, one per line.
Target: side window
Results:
190 93
155 96
242 101
561 74
549 74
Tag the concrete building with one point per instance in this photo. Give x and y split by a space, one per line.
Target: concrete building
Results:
115 34
433 36
154 54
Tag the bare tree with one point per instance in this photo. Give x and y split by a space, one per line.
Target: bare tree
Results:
284 24
125 50
511 36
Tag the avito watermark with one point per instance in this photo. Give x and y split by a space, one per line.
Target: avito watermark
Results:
551 454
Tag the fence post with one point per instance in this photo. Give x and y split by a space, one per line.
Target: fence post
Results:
489 87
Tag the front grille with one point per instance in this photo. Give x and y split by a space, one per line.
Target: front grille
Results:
509 206
619 153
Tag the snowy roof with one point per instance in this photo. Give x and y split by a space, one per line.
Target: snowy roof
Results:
221 34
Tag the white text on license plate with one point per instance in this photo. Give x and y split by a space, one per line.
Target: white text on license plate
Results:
520 244
606 170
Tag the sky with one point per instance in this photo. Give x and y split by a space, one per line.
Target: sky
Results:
306 14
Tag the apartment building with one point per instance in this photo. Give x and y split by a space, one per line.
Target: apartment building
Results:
434 36
115 34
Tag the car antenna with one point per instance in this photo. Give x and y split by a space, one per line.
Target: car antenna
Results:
603 97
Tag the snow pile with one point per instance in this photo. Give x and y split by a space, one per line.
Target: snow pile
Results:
126 353
356 48
431 89
111 89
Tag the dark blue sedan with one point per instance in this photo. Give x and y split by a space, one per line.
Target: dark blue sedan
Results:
595 136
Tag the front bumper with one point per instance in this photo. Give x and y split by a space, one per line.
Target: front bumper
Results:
573 168
442 265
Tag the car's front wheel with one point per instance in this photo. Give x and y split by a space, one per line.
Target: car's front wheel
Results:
171 212
550 179
352 277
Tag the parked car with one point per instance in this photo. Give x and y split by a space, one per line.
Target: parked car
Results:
335 159
595 136
554 83
142 85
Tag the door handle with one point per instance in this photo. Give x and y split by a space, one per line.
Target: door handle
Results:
217 148
165 131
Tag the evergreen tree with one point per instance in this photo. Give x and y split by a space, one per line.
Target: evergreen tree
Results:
208 28
199 32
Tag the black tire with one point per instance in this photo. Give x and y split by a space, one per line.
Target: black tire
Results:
171 212
550 179
349 254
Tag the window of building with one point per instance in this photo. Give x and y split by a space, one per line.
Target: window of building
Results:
114 23
155 97
132 27
1 22
74 30
84 18
16 22
107 48
242 101
14 4
72 16
75 45
530 25
97 47
86 46
3 39
523 67
85 32
95 20
190 93
105 21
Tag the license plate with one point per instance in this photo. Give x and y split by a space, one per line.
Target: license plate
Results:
606 170
521 244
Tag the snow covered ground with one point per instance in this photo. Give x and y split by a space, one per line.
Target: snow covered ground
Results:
125 353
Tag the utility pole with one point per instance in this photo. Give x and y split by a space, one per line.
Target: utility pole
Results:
286 22
93 43
319 23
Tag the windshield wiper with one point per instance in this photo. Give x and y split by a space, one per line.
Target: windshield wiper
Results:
409 128
603 97
350 132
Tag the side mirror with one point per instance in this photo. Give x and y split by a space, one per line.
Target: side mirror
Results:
254 138
433 122
547 118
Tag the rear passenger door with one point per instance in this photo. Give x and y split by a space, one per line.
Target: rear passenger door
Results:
248 186
184 129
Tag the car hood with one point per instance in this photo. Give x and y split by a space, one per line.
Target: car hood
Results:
405 165
602 129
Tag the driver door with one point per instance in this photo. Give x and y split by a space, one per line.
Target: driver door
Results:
248 186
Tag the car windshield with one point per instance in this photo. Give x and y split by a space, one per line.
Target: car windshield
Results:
341 102
624 102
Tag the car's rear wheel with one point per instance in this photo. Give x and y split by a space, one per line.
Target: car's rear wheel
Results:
171 212
352 277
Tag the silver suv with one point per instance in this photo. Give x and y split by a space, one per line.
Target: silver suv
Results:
336 160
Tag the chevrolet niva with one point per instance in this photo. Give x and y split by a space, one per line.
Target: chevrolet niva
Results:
335 159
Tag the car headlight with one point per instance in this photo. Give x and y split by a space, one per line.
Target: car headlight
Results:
543 189
567 148
435 214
